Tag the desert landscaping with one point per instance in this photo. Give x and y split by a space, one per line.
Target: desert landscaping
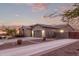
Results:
69 50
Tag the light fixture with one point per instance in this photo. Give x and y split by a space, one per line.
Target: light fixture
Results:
32 33
61 31
43 33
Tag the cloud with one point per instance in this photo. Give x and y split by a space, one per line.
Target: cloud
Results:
65 8
39 7
21 22
35 6
17 15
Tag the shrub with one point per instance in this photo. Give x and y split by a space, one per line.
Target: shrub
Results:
44 38
19 42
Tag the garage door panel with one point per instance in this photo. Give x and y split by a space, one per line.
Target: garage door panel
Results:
74 35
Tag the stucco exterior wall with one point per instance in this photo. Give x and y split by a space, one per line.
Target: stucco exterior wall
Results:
27 32
37 31
37 28
65 34
48 31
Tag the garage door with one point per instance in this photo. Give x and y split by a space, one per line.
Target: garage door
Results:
74 35
37 33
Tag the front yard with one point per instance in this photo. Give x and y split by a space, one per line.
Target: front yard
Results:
42 48
12 43
69 50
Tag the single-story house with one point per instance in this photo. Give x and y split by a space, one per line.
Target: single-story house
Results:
41 30
49 31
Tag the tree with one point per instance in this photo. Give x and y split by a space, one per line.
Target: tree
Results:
11 32
71 14
68 16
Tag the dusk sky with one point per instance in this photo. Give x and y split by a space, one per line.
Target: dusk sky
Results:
30 13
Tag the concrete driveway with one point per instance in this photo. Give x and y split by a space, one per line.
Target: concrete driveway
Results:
37 49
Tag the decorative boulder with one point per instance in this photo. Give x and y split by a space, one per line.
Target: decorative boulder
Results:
19 42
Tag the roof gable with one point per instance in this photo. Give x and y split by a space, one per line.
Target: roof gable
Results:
44 26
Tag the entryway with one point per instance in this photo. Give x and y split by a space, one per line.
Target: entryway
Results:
37 33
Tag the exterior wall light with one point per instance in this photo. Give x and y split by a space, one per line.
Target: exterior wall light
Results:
17 31
43 33
61 31
32 33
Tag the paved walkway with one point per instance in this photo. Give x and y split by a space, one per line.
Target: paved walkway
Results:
37 49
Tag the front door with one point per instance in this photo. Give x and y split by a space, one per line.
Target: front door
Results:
37 33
